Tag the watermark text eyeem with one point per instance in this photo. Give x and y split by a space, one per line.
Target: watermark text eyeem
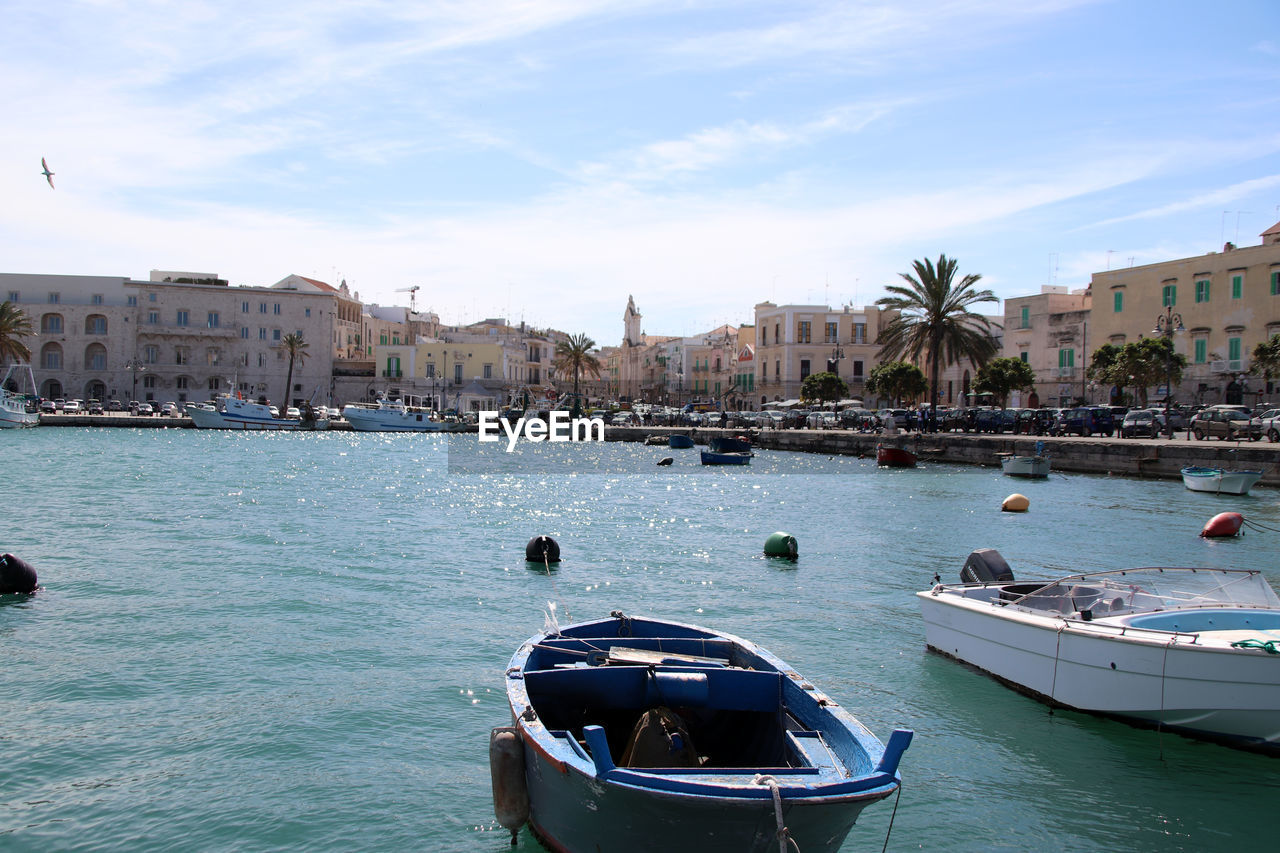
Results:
558 427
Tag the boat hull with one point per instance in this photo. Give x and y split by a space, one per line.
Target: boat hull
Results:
1033 467
247 417
709 458
571 812
1219 481
1149 677
17 418
894 457
387 420
679 442
750 714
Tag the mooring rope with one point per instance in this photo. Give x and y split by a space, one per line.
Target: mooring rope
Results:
1271 647
1256 526
896 797
784 837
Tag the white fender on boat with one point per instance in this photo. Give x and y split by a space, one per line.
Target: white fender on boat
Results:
510 791
1015 503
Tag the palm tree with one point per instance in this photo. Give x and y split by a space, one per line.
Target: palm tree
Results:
297 349
934 321
14 326
574 356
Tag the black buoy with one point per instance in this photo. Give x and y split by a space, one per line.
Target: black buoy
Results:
16 575
666 460
542 549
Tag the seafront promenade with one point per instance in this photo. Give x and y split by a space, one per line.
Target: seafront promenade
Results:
1142 458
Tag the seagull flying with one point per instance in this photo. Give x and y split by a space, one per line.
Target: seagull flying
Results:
48 176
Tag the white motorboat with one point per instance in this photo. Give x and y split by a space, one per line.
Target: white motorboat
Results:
237 413
396 416
1026 466
1191 650
1219 480
15 409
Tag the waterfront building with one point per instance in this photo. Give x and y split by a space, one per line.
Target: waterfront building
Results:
648 365
1050 332
795 341
466 376
1227 302
742 389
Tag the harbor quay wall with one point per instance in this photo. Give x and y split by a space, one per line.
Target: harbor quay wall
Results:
1127 457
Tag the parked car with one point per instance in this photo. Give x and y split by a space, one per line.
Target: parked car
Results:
48 407
170 410
94 407
145 409
1270 421
71 407
115 406
1225 423
1088 420
292 412
1141 423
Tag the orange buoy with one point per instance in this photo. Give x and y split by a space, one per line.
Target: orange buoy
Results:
1223 524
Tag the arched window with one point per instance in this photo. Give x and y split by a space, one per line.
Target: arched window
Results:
95 357
95 324
51 324
51 356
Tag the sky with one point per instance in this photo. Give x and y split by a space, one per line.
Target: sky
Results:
542 160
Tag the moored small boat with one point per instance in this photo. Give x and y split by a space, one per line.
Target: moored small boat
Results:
643 734
712 458
1219 480
888 456
1194 650
1025 466
678 441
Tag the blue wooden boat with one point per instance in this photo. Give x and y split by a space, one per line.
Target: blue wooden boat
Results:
642 734
679 442
729 444
713 458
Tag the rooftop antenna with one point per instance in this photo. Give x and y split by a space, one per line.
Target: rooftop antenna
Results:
1053 268
1238 212
1109 253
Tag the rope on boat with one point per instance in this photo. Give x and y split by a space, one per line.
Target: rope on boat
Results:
1271 647
784 837
896 797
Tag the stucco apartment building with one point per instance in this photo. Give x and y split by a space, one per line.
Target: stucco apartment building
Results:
183 336
795 341
1050 331
1227 303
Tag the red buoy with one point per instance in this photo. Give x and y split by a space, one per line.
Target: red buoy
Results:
1223 524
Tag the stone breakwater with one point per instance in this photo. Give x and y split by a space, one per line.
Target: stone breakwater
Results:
1151 458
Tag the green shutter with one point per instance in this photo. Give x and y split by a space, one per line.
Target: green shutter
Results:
1202 291
1201 347
1026 317
1275 284
1233 349
1119 301
1237 286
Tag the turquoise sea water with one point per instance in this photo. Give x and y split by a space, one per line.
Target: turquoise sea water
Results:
297 641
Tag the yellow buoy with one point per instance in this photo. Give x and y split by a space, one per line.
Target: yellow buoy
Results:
1015 503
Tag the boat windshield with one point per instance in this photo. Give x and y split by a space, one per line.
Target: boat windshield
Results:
1137 590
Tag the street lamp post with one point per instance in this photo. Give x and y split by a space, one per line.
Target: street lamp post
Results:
133 366
1167 324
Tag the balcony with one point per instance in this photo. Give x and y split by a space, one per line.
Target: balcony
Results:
1235 365
1065 373
392 374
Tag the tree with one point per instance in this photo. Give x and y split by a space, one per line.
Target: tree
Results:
897 380
14 326
934 320
1266 360
297 349
573 356
1138 364
823 387
1002 375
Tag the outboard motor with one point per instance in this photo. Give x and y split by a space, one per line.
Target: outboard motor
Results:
985 565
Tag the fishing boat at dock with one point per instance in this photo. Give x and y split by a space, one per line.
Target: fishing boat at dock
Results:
229 412
889 456
679 441
16 408
396 416
1188 649
642 734
1220 481
710 457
